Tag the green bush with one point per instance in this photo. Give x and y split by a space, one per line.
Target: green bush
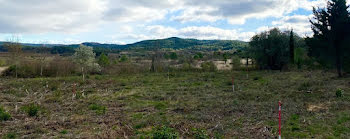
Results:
199 134
339 93
164 132
32 109
22 71
9 136
124 58
98 108
304 86
198 56
64 132
186 67
4 116
32 69
103 60
173 56
208 66
236 63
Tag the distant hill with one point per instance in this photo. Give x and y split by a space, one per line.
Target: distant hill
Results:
169 43
178 43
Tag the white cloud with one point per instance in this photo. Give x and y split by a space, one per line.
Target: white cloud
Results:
196 32
37 16
299 23
74 16
238 11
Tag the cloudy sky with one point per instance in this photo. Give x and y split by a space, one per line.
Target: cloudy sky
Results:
128 21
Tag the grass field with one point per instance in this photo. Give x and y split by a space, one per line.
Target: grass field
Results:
189 104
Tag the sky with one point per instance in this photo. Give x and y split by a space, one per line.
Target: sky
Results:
129 21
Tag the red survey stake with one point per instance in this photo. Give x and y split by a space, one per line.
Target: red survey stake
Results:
279 119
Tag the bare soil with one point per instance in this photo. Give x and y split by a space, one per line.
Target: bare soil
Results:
2 69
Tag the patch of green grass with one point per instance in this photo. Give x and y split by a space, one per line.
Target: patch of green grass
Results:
189 99
4 116
99 109
138 116
64 132
305 86
342 125
293 128
31 109
199 133
10 136
141 125
14 92
160 105
339 93
164 132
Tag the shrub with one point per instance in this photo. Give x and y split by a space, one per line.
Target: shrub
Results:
103 60
4 116
32 109
208 66
164 132
64 132
173 56
304 86
98 109
126 68
199 134
10 136
186 67
257 78
339 93
236 63
32 68
23 70
60 67
124 58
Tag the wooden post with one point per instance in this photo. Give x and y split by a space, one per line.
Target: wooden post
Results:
168 75
233 84
247 73
74 91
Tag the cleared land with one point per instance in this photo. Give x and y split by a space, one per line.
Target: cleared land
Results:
2 69
195 104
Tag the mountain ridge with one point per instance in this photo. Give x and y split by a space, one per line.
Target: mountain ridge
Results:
169 43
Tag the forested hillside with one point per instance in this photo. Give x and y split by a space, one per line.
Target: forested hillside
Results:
169 43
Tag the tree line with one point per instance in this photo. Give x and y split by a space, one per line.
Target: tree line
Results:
328 46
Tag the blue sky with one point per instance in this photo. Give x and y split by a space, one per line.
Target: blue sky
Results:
120 21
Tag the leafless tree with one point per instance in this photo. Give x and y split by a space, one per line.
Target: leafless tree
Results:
15 49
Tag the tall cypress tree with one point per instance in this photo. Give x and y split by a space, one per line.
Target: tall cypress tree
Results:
291 46
331 25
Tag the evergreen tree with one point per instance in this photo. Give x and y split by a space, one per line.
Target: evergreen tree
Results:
270 49
103 60
173 56
331 29
291 46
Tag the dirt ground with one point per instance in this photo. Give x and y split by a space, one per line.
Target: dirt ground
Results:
2 69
